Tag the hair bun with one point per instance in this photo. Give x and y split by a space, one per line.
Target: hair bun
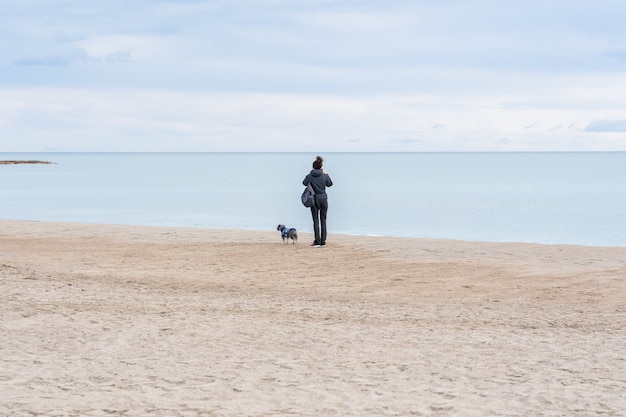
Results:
317 164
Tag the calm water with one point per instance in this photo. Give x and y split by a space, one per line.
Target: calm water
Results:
577 198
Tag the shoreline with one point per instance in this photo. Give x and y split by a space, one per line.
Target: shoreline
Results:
142 320
270 230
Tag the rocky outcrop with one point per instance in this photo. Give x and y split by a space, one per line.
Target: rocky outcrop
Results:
24 162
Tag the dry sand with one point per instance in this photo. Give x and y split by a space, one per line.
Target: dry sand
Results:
139 321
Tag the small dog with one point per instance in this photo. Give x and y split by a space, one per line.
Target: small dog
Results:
288 233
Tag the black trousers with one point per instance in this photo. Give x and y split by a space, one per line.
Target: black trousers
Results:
319 220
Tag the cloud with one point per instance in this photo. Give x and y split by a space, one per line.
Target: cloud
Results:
50 61
617 126
405 141
74 56
616 55
215 73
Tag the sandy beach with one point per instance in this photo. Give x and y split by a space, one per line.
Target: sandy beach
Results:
100 320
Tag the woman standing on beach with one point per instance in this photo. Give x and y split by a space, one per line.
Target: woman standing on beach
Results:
319 180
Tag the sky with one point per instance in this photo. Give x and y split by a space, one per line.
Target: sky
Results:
312 75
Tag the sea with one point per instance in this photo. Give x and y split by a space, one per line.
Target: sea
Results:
551 198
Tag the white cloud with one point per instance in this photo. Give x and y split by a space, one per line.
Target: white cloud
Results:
284 75
162 120
105 47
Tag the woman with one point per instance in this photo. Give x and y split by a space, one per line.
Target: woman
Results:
319 180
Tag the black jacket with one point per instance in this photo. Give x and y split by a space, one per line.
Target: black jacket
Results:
319 181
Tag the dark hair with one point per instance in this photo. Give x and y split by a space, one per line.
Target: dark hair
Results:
317 164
